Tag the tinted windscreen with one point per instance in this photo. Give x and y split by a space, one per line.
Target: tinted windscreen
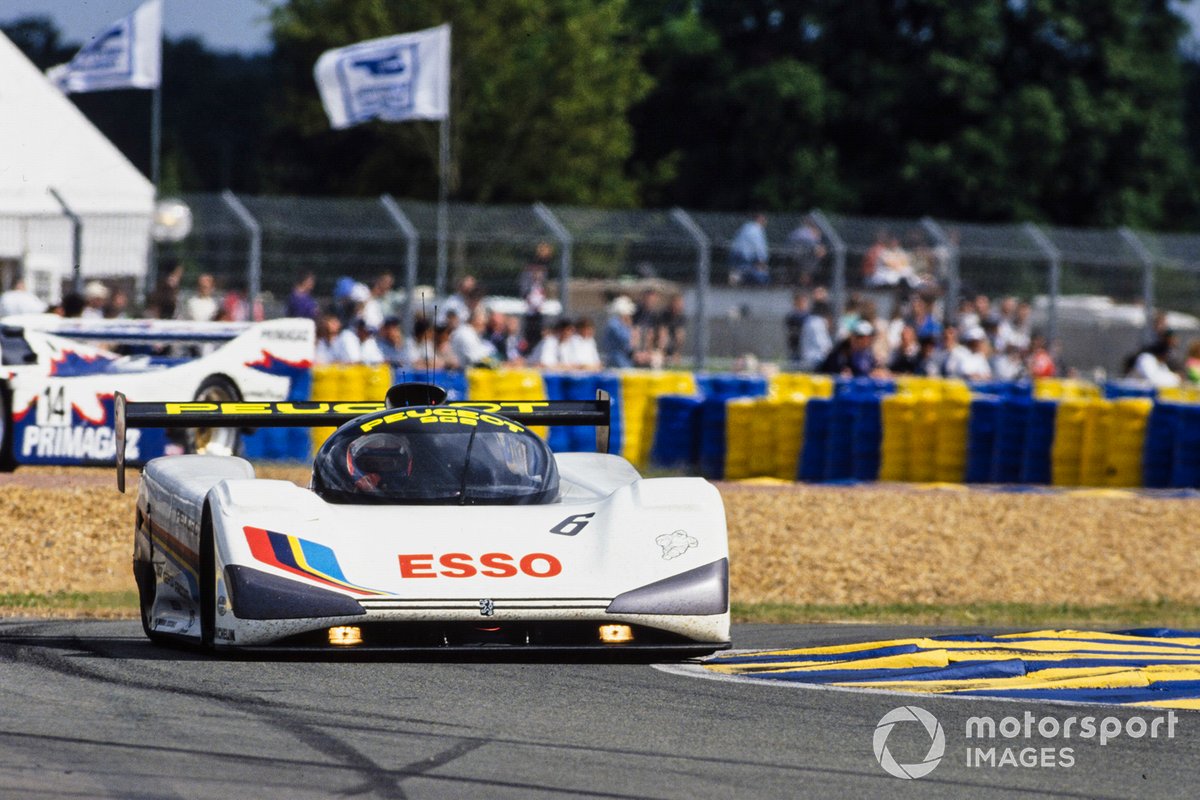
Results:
456 463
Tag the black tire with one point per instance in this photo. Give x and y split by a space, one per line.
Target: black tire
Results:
7 462
208 582
143 575
216 441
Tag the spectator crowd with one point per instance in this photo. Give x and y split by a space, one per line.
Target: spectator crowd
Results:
983 342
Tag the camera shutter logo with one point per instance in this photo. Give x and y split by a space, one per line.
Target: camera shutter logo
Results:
937 742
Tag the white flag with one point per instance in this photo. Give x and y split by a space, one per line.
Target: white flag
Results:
395 78
126 55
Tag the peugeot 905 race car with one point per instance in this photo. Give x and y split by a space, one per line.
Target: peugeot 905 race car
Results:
56 389
426 525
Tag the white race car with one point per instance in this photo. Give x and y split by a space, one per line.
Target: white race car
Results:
56 389
426 525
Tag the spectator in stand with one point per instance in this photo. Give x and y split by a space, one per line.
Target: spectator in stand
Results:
1007 364
118 305
471 348
422 343
967 317
548 354
929 364
949 350
872 259
1152 364
793 326
328 346
235 307
532 286
854 356
300 302
1041 360
164 300
373 311
893 266
815 340
579 352
749 253
970 360
95 297
673 331
618 341
907 360
511 347
806 246
202 306
647 327
458 303
922 318
1192 365
73 305
357 344
19 300
396 350
1022 326
443 351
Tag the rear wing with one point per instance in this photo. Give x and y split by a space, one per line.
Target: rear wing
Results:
325 414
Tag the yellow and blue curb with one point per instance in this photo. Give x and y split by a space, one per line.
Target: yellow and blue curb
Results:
1153 667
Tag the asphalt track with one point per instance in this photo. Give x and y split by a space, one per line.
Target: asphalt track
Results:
90 709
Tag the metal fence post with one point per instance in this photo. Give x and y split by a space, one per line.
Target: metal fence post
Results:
838 246
953 279
1147 260
1054 259
412 240
703 278
565 246
76 241
254 258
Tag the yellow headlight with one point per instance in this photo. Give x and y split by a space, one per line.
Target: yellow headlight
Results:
345 635
615 634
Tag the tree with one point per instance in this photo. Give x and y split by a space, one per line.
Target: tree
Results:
539 95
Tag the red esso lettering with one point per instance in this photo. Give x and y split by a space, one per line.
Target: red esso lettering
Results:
497 565
457 565
540 565
491 565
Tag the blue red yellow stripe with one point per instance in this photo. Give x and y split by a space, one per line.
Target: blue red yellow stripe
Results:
301 557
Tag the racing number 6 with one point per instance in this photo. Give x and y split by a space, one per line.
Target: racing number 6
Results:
573 524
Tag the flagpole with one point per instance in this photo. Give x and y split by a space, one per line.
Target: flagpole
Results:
155 174
443 211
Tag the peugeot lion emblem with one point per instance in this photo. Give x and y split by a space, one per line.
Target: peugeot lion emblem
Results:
487 607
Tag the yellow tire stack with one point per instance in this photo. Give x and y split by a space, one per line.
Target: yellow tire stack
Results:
787 435
950 443
896 448
1126 441
507 384
350 383
740 415
1093 453
639 407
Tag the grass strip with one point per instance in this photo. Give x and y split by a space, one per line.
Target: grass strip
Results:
105 605
1156 614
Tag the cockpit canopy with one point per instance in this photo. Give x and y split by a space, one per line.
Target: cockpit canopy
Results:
435 455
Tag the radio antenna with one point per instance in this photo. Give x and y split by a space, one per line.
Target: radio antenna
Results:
434 354
430 330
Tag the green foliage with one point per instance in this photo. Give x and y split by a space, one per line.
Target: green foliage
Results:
539 94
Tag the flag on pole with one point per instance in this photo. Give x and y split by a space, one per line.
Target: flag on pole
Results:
126 55
393 79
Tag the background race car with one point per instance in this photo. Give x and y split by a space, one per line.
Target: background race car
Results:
56 385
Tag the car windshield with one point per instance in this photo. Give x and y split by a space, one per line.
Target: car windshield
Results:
439 455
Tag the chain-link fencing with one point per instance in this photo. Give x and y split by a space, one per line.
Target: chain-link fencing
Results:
1082 283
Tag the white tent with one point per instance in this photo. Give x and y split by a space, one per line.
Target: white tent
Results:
47 143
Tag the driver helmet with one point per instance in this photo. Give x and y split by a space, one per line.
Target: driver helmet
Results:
377 459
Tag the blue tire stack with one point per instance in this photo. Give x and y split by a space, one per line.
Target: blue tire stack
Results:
867 435
712 438
1158 453
1039 442
1185 467
816 438
676 434
1008 450
981 438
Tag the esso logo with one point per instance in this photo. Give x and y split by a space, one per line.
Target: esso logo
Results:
488 565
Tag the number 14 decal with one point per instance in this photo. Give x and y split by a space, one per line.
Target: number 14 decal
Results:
54 411
573 524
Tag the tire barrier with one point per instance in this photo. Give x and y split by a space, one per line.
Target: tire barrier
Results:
815 428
